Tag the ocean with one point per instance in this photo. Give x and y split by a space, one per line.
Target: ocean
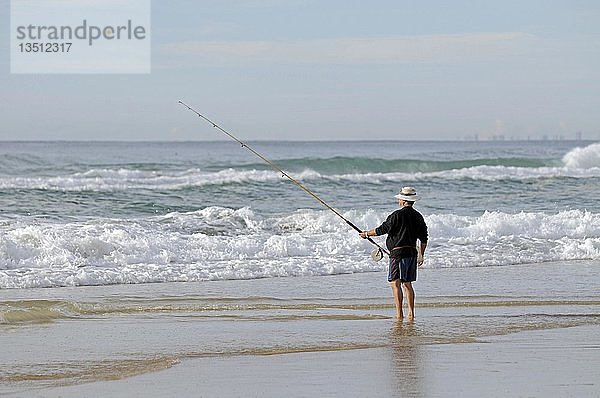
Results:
161 269
104 213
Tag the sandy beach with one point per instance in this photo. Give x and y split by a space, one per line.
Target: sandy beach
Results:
549 363
475 335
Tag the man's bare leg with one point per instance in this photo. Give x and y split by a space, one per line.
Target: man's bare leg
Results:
410 297
396 289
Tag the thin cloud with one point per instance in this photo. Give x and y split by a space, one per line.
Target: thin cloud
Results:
377 50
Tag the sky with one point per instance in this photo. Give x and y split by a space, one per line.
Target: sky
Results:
331 70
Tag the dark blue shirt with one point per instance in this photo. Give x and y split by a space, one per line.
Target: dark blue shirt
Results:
403 227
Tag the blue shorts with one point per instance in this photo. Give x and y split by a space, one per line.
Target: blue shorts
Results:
404 269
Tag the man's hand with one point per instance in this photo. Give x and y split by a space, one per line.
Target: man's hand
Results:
421 253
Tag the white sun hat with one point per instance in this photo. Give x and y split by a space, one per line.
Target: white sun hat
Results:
409 194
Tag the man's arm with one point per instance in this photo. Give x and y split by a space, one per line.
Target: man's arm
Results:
366 234
380 230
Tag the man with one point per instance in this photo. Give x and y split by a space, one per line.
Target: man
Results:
403 227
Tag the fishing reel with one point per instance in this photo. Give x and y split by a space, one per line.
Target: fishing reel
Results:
376 254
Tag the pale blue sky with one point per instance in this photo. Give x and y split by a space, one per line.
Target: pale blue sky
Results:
307 69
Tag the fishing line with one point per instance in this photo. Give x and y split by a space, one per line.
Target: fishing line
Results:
376 255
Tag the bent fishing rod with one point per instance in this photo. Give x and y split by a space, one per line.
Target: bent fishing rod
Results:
376 256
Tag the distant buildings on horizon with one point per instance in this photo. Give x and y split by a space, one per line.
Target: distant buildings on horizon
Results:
578 136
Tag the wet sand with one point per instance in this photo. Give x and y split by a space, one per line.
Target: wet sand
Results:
477 333
549 363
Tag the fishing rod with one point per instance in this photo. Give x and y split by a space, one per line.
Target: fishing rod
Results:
377 254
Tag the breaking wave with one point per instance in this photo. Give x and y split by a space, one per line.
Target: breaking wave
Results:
219 243
583 158
125 179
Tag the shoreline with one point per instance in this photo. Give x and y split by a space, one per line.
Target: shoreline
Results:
474 328
552 362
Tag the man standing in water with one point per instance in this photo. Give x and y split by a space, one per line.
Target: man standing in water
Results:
403 227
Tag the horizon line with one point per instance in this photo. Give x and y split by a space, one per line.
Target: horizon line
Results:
308 140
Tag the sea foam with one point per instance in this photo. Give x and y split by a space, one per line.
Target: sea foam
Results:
583 158
122 179
222 243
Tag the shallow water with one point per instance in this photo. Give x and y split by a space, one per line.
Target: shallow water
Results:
67 336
